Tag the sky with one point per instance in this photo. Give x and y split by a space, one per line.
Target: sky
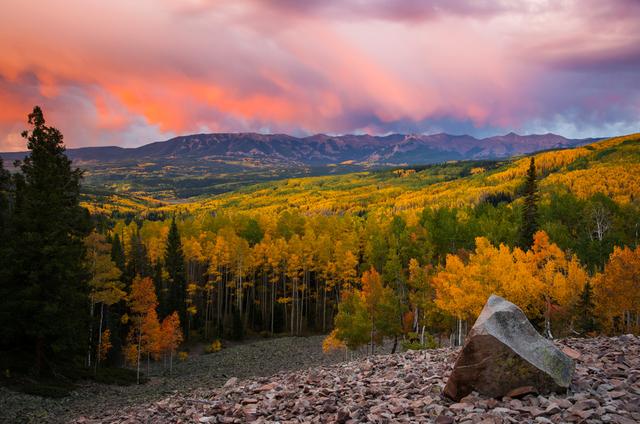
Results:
132 72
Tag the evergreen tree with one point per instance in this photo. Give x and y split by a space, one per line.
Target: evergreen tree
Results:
5 179
46 294
530 209
586 311
175 265
117 253
138 264
158 282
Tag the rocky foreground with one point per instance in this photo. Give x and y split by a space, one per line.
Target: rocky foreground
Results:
407 388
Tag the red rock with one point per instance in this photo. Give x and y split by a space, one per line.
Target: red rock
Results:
571 353
521 391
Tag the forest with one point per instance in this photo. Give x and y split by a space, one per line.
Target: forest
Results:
408 254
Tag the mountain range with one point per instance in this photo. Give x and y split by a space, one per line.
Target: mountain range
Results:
201 164
321 149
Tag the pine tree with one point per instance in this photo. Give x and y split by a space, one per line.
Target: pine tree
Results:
586 311
47 288
117 252
5 179
530 209
175 265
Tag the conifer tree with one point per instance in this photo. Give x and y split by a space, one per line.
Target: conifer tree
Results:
117 253
530 208
175 265
5 179
586 310
47 285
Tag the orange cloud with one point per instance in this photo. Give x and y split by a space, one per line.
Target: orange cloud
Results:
131 72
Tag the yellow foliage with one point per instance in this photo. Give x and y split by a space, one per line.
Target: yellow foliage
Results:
331 343
532 280
617 291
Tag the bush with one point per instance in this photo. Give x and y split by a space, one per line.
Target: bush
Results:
183 356
215 346
413 342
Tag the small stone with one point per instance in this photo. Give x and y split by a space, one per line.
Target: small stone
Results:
571 353
444 419
231 382
552 409
501 410
461 406
522 391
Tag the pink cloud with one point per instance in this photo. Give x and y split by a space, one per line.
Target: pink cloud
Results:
132 72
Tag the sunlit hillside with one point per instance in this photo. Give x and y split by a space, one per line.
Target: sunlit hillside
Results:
611 167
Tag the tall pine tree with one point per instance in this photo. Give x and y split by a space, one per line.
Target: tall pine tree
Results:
177 281
530 209
117 253
46 291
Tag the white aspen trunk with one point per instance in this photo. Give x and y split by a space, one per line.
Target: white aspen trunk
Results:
273 302
99 337
324 308
372 333
547 321
293 303
138 365
91 308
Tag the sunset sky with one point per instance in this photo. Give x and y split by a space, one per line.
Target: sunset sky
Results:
131 72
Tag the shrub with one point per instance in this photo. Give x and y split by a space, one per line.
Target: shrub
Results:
413 342
215 346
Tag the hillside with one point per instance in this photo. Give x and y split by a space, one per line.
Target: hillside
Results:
611 167
406 388
208 164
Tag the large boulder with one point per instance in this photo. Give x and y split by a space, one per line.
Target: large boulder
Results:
504 352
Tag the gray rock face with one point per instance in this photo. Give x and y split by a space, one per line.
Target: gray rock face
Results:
504 352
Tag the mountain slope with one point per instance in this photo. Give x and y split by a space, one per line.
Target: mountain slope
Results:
206 164
322 149
611 167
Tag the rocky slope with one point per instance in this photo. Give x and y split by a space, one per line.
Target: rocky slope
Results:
407 388
245 360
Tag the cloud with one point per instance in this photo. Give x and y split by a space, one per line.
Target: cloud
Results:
128 73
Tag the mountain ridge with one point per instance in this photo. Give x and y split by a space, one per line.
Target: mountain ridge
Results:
323 149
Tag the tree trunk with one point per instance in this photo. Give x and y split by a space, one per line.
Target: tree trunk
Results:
372 333
91 308
138 366
95 371
547 321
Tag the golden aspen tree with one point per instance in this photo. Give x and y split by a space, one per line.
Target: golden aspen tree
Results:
142 336
105 286
617 291
171 336
561 277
